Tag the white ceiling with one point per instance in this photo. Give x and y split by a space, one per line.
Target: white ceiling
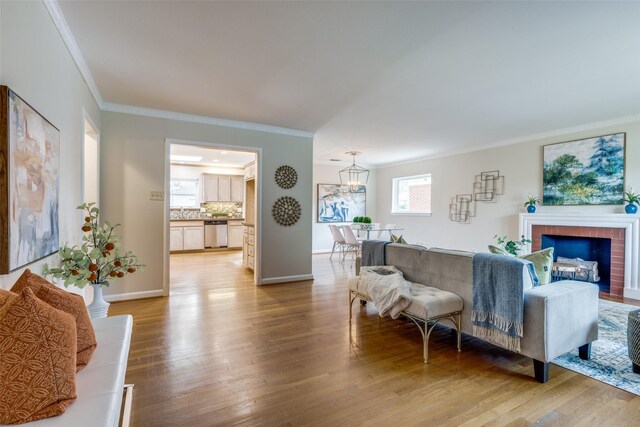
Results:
211 156
395 80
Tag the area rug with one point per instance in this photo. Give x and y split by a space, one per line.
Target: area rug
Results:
610 361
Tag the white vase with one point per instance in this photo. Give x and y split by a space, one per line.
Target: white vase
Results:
98 307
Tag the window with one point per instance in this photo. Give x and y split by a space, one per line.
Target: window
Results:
412 195
184 193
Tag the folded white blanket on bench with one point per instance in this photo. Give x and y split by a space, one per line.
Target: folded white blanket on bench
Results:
387 288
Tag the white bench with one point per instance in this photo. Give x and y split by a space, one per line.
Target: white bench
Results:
100 384
428 305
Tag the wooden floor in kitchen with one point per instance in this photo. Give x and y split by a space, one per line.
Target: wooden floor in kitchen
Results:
220 351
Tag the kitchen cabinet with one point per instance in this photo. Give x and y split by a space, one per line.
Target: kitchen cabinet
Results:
193 238
237 189
176 242
250 171
248 247
186 236
209 187
235 234
222 188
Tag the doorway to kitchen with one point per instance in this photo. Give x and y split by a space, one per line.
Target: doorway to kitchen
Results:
212 219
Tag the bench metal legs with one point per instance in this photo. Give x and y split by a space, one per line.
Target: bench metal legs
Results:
425 330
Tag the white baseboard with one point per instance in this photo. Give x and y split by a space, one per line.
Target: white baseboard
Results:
133 295
287 279
632 293
322 251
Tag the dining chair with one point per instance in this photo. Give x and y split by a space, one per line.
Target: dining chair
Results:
338 240
351 243
386 228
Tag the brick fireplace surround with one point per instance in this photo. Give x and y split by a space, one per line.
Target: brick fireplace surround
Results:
622 229
617 247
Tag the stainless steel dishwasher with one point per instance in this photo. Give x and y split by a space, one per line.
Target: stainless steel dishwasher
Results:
215 234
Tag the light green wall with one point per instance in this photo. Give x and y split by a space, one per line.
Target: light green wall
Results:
132 164
521 164
35 63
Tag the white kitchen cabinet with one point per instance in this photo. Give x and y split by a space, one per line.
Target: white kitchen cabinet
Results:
235 234
176 242
237 189
210 187
250 171
248 248
224 188
186 235
193 238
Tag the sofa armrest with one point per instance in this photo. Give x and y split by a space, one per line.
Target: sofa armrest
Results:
558 318
358 264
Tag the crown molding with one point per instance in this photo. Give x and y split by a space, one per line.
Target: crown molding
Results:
53 8
520 140
193 118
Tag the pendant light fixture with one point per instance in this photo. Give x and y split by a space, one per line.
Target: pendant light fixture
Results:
354 176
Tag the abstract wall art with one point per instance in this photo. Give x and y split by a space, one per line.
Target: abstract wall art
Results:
29 183
585 172
337 204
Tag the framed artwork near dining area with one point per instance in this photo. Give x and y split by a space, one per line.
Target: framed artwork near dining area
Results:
337 204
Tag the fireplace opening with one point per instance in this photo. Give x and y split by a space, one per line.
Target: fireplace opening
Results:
586 248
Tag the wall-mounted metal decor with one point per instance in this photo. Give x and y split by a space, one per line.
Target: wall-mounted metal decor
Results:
486 187
462 208
286 177
286 211
29 183
584 172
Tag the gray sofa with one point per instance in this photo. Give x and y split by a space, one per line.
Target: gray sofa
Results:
558 317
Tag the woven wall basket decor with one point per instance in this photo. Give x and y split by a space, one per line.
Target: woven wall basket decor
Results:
286 177
286 211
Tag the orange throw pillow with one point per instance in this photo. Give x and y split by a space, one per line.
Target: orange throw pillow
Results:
67 302
37 360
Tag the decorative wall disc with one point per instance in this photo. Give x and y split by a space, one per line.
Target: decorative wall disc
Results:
286 211
286 176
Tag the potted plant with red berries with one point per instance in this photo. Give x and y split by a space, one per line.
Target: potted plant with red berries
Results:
96 262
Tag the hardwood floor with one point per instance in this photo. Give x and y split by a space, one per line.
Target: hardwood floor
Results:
220 351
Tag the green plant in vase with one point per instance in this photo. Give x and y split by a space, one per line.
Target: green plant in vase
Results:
633 200
531 203
98 260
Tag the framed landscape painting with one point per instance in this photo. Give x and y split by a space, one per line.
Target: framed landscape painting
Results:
29 183
585 172
337 205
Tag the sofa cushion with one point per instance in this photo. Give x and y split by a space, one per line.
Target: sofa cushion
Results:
67 302
496 250
37 359
542 262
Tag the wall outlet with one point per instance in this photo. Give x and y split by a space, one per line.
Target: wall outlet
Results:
157 196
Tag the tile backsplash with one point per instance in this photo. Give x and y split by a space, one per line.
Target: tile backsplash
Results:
223 208
208 210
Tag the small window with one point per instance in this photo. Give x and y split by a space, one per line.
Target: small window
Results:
184 193
412 195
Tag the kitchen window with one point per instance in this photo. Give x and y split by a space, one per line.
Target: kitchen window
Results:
183 193
412 195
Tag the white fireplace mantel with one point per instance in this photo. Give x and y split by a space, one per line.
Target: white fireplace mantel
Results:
630 223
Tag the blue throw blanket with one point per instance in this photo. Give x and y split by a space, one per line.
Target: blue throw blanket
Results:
373 252
498 298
